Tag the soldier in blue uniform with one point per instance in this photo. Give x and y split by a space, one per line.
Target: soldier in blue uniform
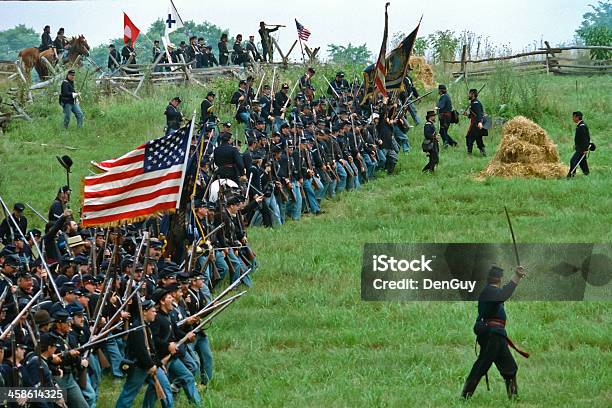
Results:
430 143
445 111
476 130
173 115
582 144
491 333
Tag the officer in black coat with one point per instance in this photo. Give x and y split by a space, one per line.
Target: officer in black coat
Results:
206 108
128 53
228 159
208 58
445 112
7 228
430 143
239 56
491 333
476 130
173 115
68 100
582 144
252 48
223 51
192 51
113 63
45 39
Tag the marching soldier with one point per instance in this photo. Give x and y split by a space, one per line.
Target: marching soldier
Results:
279 106
146 367
582 145
338 85
430 143
445 112
491 333
173 116
476 130
306 80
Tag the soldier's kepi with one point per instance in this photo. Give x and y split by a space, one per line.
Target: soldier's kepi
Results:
491 333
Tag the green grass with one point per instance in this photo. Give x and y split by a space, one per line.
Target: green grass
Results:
303 337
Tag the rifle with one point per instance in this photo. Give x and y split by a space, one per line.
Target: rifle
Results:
159 391
210 307
23 311
122 307
260 84
91 344
468 107
332 88
199 327
107 282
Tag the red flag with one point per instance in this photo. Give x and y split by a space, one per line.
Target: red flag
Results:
381 65
130 31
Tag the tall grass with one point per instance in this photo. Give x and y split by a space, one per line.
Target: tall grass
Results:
303 337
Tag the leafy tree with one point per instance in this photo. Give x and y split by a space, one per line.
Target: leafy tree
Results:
15 39
349 54
210 32
596 29
443 44
420 46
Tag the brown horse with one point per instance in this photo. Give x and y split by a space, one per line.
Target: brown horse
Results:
31 57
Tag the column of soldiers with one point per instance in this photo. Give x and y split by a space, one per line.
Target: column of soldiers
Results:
79 303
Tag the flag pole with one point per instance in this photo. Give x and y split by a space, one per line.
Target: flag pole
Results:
300 40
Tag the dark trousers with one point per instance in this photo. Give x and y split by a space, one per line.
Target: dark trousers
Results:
493 349
266 51
474 135
444 125
584 166
434 158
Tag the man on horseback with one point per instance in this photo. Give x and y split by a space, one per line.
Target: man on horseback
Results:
61 45
45 39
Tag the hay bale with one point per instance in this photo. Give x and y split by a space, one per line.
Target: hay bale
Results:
422 71
525 150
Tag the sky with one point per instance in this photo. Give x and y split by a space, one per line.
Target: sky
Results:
517 23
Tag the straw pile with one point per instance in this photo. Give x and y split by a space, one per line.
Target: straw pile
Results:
525 151
422 71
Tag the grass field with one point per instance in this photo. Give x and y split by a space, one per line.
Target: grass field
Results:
303 337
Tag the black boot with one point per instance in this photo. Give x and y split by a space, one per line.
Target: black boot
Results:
469 387
483 152
511 387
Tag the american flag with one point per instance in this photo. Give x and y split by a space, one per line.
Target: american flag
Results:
144 181
381 63
303 32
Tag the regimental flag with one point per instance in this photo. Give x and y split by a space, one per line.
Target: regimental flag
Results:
396 65
398 61
173 20
380 67
145 181
130 31
303 33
